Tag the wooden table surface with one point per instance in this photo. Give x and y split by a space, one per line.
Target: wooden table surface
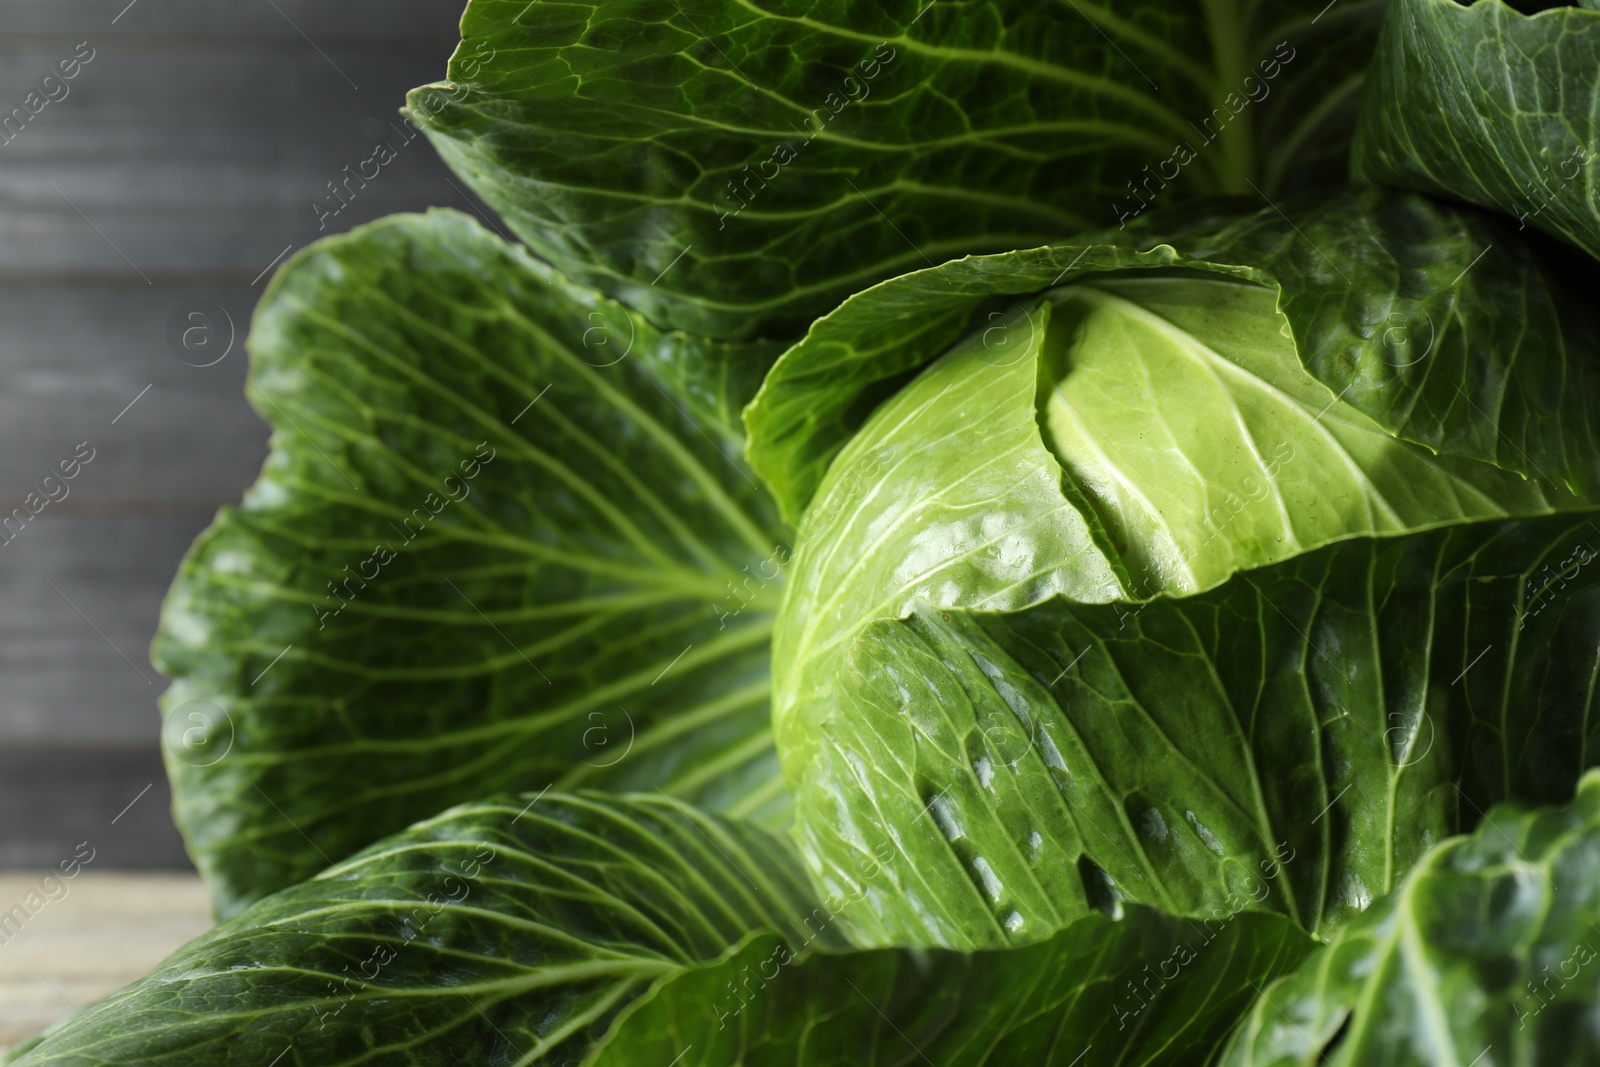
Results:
88 937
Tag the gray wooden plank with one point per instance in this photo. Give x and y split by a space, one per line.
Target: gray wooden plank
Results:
73 358
152 170
193 144
81 599
56 799
359 23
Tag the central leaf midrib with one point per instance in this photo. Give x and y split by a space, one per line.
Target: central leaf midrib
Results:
1230 47
679 582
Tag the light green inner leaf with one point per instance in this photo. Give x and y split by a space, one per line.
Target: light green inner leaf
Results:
1120 439
1179 407
1443 325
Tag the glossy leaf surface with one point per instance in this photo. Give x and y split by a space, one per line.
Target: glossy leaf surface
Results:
1294 740
1486 954
1143 990
1121 438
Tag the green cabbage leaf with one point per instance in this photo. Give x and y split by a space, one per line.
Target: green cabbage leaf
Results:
504 540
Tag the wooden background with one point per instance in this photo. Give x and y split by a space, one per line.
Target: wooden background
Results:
183 161
95 934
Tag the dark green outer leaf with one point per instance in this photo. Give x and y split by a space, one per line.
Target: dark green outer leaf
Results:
735 168
1296 738
1486 105
1145 989
503 932
571 614
1488 954
1391 300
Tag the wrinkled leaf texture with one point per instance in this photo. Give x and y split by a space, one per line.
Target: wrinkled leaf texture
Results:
736 169
1093 995
1392 303
1293 740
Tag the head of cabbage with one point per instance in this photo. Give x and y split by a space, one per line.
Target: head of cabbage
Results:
1133 436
